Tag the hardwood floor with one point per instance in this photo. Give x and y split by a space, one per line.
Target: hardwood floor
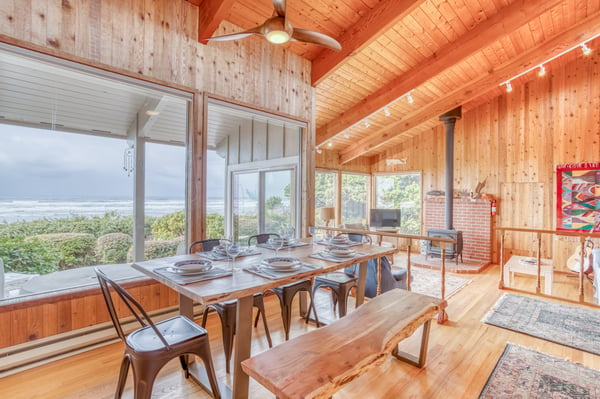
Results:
462 353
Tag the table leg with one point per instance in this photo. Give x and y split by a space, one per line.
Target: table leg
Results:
362 279
243 338
186 306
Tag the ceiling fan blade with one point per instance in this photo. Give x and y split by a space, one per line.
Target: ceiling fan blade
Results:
279 6
310 36
240 35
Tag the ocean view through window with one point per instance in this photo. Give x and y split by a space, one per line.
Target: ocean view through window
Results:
92 172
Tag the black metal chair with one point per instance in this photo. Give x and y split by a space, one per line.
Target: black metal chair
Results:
227 310
341 283
261 238
150 347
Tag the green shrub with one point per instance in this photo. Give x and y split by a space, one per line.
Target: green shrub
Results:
31 256
169 226
215 225
113 248
157 249
76 249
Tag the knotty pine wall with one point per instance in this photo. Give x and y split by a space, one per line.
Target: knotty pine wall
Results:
154 40
515 141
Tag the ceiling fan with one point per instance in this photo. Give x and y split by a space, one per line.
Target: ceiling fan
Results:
278 30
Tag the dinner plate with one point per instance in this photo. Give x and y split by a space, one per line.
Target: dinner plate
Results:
281 269
339 240
193 266
281 263
341 252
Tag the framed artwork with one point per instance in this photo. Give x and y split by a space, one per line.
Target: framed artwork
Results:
578 197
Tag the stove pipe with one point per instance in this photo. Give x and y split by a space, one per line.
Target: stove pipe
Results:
449 119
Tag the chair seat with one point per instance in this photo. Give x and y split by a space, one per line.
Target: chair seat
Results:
175 330
338 277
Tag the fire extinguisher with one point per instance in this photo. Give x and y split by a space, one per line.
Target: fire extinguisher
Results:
493 207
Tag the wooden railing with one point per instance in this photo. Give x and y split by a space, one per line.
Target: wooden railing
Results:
539 233
443 243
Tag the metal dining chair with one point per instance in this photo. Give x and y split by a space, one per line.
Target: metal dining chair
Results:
150 347
227 310
286 293
342 282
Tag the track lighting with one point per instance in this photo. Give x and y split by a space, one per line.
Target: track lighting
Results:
410 99
508 87
585 49
542 71
386 111
367 123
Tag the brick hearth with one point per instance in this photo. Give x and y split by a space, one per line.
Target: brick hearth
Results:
473 218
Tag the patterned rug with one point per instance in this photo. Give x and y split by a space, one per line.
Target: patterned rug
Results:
426 281
567 325
526 374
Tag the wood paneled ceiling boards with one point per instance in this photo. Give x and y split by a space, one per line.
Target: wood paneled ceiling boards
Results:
439 53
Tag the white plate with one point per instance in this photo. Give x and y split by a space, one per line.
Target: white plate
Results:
280 269
341 253
276 241
193 266
281 263
339 240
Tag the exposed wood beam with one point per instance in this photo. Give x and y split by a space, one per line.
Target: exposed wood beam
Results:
210 15
580 32
489 31
379 20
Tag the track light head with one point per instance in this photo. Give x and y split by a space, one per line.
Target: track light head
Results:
585 49
509 87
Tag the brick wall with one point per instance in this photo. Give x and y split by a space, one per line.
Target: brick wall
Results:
472 218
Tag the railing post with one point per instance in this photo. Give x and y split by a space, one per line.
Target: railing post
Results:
501 283
442 315
581 265
408 271
539 264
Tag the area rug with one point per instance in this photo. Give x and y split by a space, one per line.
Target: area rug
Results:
568 325
428 282
526 374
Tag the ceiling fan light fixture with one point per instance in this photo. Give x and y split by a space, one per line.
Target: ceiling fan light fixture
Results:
278 36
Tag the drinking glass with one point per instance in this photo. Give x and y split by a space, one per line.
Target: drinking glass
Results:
233 249
311 231
278 244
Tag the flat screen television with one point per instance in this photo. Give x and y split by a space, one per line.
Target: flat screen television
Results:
385 218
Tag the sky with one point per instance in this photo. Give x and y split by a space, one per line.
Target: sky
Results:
46 164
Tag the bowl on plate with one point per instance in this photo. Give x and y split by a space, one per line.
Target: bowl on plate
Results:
339 240
275 241
192 266
281 263
341 252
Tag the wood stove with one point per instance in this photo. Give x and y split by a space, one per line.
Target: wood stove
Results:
433 248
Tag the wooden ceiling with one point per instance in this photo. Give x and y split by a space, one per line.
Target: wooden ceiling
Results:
445 53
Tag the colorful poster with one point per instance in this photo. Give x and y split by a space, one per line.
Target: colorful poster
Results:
578 197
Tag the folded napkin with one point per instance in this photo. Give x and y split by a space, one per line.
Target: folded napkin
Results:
179 278
276 274
328 257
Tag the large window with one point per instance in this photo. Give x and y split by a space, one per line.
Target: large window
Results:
253 181
92 172
355 198
401 191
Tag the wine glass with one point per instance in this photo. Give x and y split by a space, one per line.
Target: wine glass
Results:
233 249
311 231
278 244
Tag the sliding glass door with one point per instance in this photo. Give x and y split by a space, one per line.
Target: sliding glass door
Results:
262 202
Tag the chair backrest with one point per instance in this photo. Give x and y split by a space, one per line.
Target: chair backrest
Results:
357 237
261 238
205 245
134 307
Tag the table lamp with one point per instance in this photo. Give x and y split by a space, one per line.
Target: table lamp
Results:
327 213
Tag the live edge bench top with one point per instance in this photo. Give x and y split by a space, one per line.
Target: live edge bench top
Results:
320 362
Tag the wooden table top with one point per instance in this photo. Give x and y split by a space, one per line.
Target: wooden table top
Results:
243 283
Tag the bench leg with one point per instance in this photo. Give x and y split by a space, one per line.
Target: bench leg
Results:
412 360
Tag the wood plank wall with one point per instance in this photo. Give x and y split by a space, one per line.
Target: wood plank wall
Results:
155 40
515 141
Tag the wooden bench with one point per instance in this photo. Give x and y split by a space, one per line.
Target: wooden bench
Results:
320 362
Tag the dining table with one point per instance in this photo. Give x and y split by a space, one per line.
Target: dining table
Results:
245 279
